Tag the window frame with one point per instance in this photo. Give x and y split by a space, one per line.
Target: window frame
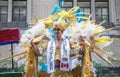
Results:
1 7
102 10
85 7
19 15
66 7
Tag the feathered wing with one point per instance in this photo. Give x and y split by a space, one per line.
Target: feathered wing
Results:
98 42
27 36
99 55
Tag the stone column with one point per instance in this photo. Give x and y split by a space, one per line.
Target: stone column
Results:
29 11
112 11
93 9
74 2
117 6
10 10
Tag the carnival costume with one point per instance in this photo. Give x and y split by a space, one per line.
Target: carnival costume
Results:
79 33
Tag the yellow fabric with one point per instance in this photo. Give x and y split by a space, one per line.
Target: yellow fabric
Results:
31 63
76 71
58 73
86 71
57 54
43 74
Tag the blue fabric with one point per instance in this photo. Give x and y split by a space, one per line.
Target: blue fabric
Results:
6 43
44 67
57 66
56 9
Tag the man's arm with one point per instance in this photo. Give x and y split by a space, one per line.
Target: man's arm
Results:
33 44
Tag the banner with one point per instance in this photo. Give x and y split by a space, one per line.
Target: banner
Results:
50 56
65 56
10 35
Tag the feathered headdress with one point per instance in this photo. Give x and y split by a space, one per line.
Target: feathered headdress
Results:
62 18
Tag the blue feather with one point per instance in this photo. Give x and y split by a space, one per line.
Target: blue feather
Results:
56 9
52 33
78 14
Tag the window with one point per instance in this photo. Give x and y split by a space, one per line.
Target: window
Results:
84 6
101 11
3 11
19 10
68 4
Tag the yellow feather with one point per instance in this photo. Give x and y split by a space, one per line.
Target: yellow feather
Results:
99 29
102 40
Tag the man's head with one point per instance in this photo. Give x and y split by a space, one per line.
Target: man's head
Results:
58 32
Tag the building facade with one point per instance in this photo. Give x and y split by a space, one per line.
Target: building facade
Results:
19 13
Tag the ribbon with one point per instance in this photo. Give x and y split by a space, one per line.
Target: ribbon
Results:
65 58
50 56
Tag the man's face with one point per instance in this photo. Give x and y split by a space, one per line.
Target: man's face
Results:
58 32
